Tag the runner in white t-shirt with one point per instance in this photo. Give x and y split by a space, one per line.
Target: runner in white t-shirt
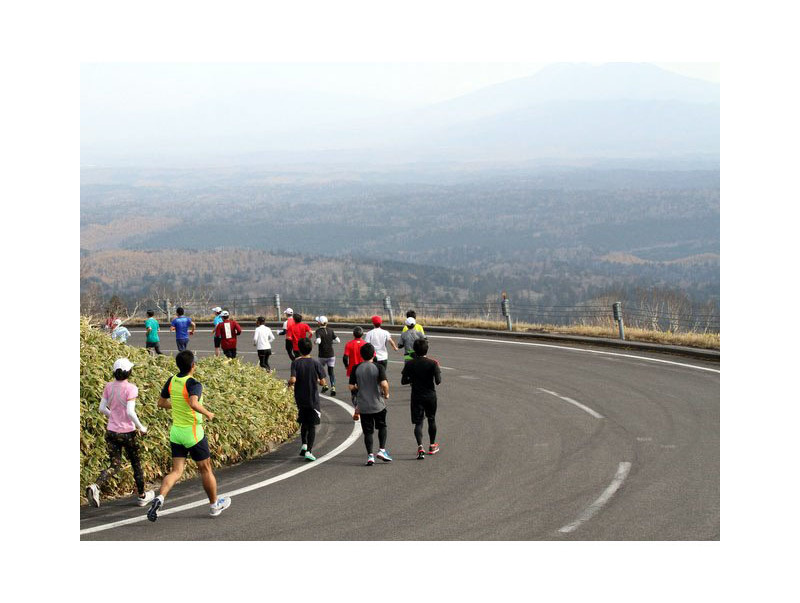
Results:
379 337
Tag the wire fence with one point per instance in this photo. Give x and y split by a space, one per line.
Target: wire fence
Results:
649 315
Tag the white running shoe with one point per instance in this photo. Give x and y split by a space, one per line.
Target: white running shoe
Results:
148 497
93 495
223 502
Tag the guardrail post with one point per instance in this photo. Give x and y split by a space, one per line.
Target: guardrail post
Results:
387 305
505 306
277 301
617 310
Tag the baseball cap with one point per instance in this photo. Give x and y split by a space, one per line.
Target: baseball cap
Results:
225 313
288 311
376 320
410 321
124 364
322 320
216 309
118 321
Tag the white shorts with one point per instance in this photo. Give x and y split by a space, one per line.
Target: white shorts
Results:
331 362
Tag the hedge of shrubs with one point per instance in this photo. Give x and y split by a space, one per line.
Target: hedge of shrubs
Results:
253 410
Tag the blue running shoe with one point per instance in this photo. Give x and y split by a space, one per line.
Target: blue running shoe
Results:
152 513
370 460
384 456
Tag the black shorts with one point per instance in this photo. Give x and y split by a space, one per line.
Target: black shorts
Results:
152 344
230 353
307 415
217 342
421 409
198 452
371 422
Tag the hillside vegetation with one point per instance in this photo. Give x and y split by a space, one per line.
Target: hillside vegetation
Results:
253 410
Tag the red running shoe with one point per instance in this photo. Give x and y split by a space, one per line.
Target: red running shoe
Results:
433 449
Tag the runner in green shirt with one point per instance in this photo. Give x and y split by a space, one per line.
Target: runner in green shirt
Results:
183 394
153 341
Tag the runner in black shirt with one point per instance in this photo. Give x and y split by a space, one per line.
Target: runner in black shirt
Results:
424 375
306 373
325 338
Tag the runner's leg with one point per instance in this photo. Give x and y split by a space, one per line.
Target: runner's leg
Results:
383 431
209 481
178 465
115 454
418 433
132 452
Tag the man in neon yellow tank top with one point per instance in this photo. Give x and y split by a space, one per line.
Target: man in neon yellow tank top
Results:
184 395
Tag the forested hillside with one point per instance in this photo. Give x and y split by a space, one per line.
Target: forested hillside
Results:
550 236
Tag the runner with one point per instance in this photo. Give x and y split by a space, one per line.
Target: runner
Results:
325 339
306 373
424 375
352 357
379 337
153 341
228 330
263 339
417 326
368 381
217 319
120 333
183 327
409 336
286 329
118 403
183 394
300 330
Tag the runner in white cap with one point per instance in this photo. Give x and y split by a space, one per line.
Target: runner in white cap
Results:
325 338
120 333
286 329
118 403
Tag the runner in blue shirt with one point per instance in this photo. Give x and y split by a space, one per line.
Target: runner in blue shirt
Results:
217 319
183 327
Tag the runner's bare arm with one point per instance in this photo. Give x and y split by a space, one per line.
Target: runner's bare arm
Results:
384 385
194 404
164 403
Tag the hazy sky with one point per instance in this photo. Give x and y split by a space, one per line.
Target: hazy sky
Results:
403 83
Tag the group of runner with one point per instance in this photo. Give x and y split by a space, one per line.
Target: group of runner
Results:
365 358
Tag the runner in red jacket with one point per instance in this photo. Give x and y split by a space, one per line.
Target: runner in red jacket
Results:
228 330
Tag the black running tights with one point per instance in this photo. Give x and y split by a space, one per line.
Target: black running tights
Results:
431 431
308 431
116 442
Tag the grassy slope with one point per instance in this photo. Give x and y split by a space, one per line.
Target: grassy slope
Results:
254 411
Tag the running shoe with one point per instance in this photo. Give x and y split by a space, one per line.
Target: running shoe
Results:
152 513
333 391
148 497
420 452
370 460
324 389
303 450
93 494
309 456
223 502
433 449
384 456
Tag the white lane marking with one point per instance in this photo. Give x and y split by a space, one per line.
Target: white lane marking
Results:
622 473
644 439
562 347
354 435
595 414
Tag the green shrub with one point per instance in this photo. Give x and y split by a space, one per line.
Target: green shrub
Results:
253 410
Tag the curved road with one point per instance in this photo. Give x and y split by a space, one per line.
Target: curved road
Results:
538 442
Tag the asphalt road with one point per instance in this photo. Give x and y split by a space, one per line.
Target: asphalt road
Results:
538 442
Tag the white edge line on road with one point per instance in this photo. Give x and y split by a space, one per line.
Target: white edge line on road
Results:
354 435
564 347
595 414
622 473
